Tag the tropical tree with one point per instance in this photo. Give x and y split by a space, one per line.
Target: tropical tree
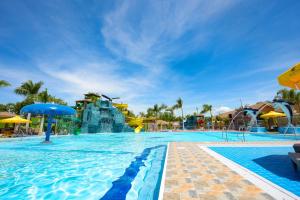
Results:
179 105
150 112
58 100
30 90
156 110
291 96
43 97
208 108
142 114
4 83
170 113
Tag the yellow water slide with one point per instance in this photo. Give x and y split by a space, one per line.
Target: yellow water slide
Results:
132 121
136 122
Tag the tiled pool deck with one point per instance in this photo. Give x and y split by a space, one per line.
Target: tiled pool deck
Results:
191 173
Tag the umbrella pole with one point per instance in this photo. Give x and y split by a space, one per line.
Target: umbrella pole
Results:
48 133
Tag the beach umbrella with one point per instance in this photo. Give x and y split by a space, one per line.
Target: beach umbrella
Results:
272 114
291 78
15 120
51 110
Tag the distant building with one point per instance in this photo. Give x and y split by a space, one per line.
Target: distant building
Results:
194 122
237 117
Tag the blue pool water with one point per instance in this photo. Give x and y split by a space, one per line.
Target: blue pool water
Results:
93 166
272 163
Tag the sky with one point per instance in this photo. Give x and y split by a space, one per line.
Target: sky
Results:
145 52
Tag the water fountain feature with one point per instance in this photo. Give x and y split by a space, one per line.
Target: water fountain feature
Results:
286 108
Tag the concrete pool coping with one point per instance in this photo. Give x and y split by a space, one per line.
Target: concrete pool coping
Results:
266 185
180 174
162 185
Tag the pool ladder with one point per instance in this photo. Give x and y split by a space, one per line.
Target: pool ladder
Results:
225 134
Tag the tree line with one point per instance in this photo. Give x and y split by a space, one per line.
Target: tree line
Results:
31 91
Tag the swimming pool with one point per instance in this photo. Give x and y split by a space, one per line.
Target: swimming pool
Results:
271 163
94 166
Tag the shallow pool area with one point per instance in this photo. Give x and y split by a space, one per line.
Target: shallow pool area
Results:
271 163
95 166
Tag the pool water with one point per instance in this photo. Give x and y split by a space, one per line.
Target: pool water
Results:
272 163
93 166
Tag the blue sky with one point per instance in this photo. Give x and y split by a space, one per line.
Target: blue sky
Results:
149 52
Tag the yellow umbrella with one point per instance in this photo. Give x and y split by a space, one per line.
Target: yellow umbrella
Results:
291 78
272 114
14 120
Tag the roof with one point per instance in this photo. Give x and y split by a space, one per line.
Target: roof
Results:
259 105
92 94
84 100
226 114
6 115
162 122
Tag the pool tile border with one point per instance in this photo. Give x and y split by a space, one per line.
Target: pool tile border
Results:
264 184
181 182
163 179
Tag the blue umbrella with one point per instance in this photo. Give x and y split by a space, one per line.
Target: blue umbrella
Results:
48 109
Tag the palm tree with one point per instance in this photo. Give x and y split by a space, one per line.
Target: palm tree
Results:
30 90
142 114
4 83
156 110
208 108
163 107
171 111
150 112
179 105
58 100
290 96
43 97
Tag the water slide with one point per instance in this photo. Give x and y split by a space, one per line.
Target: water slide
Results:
132 121
138 129
137 123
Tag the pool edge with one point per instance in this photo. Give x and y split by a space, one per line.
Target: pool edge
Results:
267 186
162 183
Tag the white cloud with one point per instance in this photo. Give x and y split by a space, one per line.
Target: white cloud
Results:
148 32
221 109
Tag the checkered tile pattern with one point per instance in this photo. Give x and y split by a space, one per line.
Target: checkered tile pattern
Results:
193 174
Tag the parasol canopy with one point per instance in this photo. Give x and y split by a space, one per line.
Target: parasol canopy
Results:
48 109
273 114
15 120
291 78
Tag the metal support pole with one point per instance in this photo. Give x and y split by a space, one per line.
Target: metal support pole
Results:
48 133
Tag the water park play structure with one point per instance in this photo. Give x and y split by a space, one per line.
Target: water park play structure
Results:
51 110
135 122
98 114
255 114
291 79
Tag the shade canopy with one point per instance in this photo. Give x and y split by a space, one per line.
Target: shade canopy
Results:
15 120
291 78
272 114
48 109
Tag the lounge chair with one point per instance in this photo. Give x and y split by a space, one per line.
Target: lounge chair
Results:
295 157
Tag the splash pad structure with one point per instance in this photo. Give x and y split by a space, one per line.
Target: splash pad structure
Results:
102 117
253 125
287 110
98 114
